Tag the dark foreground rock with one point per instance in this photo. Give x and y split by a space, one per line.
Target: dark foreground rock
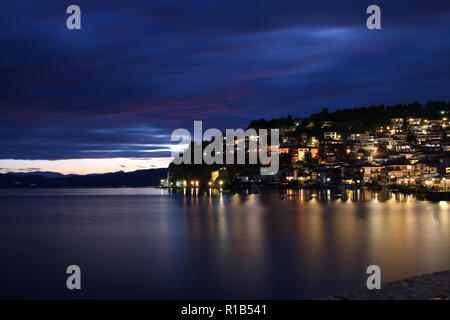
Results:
434 286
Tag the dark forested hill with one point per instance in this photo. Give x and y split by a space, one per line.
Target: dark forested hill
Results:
363 119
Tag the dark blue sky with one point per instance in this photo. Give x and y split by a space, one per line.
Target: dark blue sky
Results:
138 69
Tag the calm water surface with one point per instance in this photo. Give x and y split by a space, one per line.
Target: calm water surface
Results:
149 243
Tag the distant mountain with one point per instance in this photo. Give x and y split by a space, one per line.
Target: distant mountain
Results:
139 178
47 174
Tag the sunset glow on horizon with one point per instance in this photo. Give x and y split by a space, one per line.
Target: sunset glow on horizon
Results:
84 166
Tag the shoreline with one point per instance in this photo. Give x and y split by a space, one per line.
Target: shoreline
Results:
421 194
431 286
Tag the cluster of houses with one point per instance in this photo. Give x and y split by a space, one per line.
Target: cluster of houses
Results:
407 152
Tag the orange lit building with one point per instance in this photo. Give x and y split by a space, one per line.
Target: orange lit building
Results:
302 152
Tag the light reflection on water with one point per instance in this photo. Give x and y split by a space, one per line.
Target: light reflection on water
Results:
149 243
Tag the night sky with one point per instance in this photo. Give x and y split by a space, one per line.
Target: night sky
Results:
115 90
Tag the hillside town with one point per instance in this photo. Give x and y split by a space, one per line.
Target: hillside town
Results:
411 151
405 152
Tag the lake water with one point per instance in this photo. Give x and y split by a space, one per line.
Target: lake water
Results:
147 243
